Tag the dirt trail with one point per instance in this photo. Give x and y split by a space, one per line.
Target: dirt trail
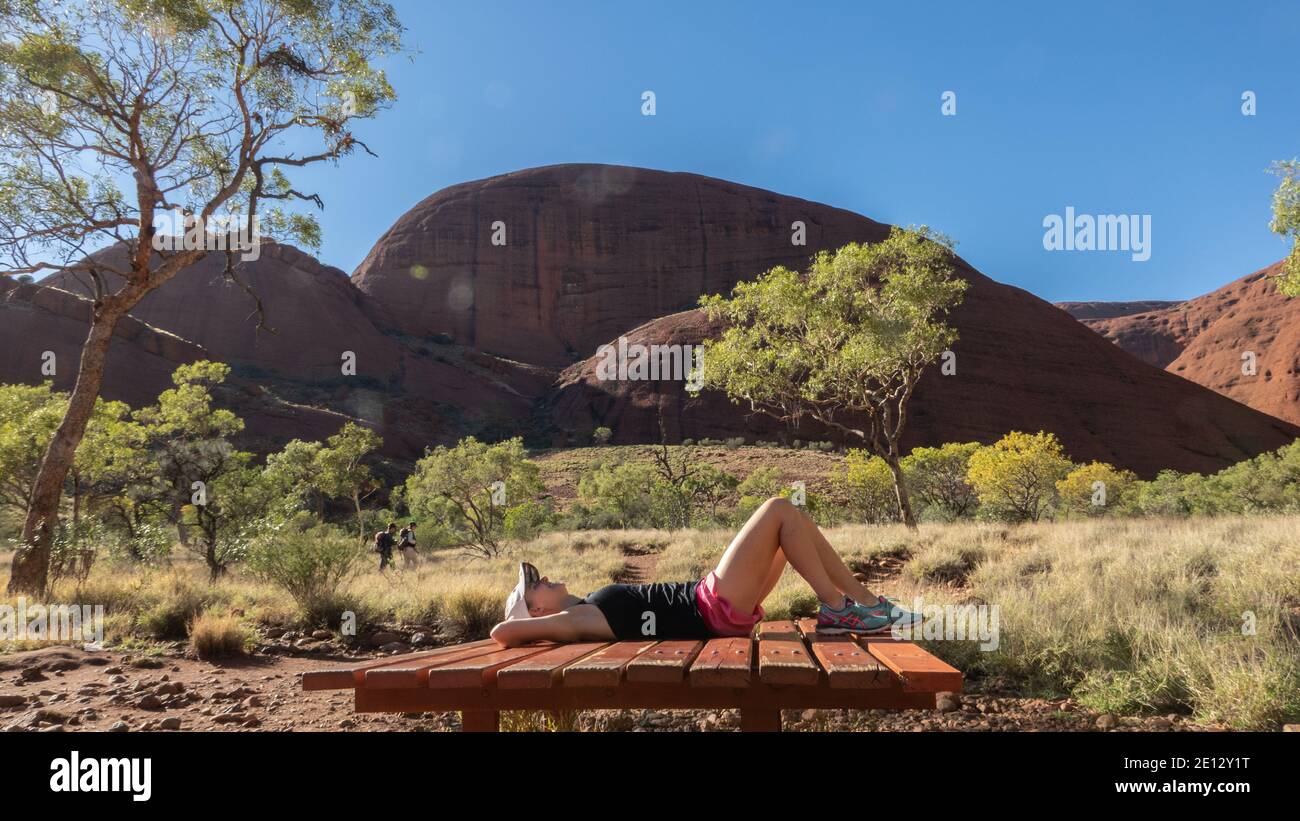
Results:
639 562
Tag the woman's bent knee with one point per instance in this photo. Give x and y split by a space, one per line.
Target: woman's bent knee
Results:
777 504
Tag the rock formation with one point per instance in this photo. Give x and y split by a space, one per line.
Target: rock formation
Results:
1211 339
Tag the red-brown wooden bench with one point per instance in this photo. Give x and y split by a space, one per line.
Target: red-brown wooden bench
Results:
785 665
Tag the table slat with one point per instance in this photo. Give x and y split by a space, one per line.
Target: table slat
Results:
544 669
723 662
786 662
480 671
778 631
604 668
848 665
919 670
666 662
343 678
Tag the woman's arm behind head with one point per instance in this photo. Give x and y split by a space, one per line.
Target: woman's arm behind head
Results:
558 627
581 622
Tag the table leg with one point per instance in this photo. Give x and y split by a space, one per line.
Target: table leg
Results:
760 721
480 721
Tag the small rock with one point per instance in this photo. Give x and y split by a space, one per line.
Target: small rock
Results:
170 723
150 702
421 640
1106 721
395 647
322 635
1291 728
382 637
947 702
32 674
119 727
12 700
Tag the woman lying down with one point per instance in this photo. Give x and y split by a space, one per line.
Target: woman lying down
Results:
728 602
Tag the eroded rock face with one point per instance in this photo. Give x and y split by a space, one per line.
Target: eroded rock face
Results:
1205 339
35 319
312 314
414 392
455 336
1109 310
1022 365
590 251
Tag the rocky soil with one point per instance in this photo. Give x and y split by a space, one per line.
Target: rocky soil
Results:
68 690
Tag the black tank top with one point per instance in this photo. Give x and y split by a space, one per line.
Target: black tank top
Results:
665 610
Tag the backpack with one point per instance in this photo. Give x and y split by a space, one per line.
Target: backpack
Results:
377 544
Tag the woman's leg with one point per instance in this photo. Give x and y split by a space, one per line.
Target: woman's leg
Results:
835 567
841 576
775 533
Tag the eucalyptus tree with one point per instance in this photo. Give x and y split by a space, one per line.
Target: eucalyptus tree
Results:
116 113
843 343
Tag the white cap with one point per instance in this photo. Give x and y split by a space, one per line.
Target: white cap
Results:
516 606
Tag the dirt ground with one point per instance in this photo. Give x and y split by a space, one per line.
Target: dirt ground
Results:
63 689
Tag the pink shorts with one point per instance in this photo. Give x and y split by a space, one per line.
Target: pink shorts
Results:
717 613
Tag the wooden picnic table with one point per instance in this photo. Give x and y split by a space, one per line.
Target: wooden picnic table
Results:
784 665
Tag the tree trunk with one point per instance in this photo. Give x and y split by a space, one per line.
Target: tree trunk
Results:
178 516
215 569
31 564
900 491
361 519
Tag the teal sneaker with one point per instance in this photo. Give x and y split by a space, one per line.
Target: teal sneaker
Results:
900 617
855 618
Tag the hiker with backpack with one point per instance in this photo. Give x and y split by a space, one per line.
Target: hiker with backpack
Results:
406 543
384 542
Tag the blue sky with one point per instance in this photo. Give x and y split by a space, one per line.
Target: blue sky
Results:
1112 108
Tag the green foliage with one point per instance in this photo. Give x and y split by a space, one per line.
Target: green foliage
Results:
1268 483
1286 222
1097 489
619 495
29 415
937 477
340 471
1165 495
454 486
1016 476
708 487
756 488
526 520
848 339
195 71
310 565
601 435
870 487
